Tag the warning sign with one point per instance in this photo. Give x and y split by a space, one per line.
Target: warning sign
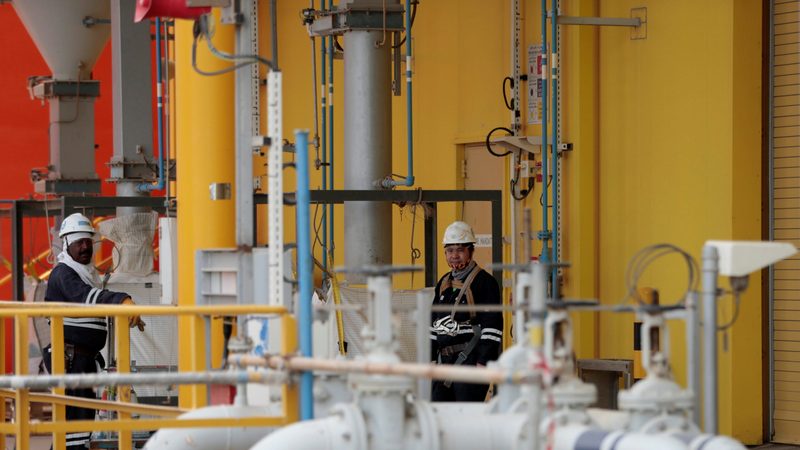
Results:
535 84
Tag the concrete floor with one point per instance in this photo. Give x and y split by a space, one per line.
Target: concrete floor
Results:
37 443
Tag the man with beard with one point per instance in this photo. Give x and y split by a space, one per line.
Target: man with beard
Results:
468 338
74 279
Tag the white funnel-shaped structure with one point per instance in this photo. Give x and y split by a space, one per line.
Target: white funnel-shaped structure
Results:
60 31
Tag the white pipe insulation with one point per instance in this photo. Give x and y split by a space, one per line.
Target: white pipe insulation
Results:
424 427
233 438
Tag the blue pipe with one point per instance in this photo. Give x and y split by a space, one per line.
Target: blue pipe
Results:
409 181
304 271
148 187
554 144
544 234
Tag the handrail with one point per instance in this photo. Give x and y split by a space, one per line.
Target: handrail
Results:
135 408
124 424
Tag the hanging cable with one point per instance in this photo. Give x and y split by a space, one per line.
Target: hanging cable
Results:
414 4
489 143
523 193
200 30
644 257
509 105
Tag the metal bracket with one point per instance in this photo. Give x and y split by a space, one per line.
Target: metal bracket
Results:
337 22
639 32
637 22
600 21
49 88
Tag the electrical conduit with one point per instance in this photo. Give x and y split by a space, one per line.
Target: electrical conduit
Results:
544 234
409 181
159 184
554 145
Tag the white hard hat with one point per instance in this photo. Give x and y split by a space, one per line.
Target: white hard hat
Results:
76 223
459 233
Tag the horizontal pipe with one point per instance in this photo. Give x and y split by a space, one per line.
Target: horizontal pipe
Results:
462 374
10 309
152 424
85 380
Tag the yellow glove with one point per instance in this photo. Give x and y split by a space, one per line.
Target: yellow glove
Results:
133 321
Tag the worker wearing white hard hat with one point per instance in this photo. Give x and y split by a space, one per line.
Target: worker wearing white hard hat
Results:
75 280
464 337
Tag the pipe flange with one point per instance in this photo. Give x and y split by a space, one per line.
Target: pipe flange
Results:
656 394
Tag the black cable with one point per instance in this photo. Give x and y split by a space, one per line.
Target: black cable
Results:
509 105
541 196
200 29
413 16
737 296
489 145
523 193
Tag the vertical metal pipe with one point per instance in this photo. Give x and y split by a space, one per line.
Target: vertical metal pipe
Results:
331 142
554 146
324 127
710 271
423 342
304 269
693 354
245 44
409 180
545 182
147 187
367 136
132 98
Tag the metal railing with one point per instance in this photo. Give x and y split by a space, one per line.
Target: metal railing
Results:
124 424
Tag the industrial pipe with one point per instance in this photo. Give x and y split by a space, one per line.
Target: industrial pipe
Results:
233 438
464 374
554 147
84 380
304 269
544 235
331 141
581 437
409 181
710 272
149 187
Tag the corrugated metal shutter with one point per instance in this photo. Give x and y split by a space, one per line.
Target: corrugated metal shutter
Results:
785 144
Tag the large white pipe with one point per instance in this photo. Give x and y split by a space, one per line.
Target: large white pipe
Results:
343 429
233 438
368 144
574 437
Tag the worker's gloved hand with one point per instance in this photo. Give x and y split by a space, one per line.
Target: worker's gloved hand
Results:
134 321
